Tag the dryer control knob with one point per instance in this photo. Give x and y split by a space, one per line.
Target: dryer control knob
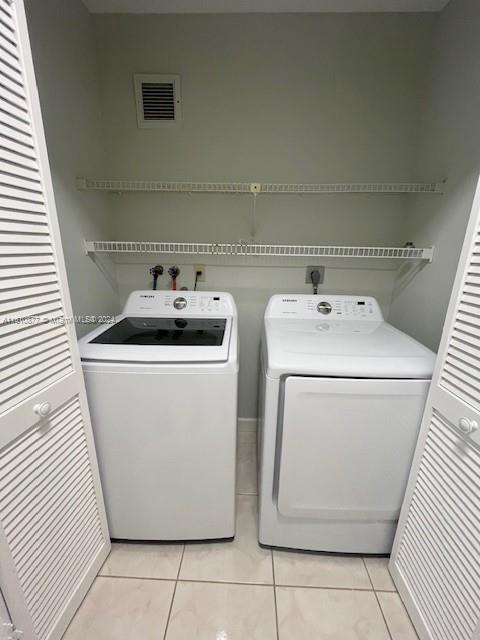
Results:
324 307
180 303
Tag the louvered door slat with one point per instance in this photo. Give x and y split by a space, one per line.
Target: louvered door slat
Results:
14 97
31 381
463 362
9 49
51 510
57 509
425 601
13 215
32 311
14 159
38 226
13 89
22 270
27 337
7 22
18 147
23 240
35 360
28 484
20 259
15 124
467 325
24 249
9 204
469 315
12 295
14 172
9 69
25 192
460 352
28 182
11 109
16 140
17 354
22 281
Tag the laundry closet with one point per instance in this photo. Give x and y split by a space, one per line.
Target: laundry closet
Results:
233 151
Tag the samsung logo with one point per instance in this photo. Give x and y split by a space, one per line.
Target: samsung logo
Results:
289 300
144 296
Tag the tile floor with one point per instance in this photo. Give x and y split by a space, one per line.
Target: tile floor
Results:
239 591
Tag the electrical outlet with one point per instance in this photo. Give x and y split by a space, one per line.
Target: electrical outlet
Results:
200 269
309 270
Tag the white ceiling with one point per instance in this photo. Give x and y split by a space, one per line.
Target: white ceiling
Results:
261 6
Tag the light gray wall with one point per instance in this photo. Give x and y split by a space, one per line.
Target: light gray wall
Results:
272 98
449 147
64 53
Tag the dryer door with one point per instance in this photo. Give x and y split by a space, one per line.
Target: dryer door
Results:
347 447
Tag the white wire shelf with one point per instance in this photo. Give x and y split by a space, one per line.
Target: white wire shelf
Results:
260 250
121 186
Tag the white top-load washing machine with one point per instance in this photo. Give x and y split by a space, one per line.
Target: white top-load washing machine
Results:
162 390
341 399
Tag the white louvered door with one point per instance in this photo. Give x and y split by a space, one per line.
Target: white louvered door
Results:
436 555
53 531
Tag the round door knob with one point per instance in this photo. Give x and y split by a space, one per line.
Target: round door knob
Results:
467 426
42 409
180 303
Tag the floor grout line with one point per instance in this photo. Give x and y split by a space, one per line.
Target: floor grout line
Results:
322 588
377 600
240 584
120 577
248 584
275 596
173 594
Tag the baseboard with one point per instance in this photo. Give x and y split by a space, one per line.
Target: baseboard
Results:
247 424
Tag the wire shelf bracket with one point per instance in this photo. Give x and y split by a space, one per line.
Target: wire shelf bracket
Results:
257 188
257 250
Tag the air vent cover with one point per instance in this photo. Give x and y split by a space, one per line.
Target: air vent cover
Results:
158 100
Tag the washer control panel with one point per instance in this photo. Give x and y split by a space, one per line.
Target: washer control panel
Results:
182 303
324 306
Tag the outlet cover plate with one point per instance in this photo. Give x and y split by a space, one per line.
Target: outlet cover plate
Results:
311 268
199 267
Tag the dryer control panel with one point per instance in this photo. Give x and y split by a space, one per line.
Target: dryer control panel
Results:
180 303
340 307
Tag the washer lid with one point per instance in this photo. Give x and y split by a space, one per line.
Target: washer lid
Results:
362 349
158 339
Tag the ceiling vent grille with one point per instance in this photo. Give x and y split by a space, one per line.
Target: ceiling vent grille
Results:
158 100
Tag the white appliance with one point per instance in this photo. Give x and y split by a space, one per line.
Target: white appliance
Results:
162 388
341 399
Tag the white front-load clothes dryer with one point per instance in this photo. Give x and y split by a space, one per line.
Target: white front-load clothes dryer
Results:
162 390
341 399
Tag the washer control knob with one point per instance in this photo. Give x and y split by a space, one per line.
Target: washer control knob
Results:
467 426
180 303
324 307
42 409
